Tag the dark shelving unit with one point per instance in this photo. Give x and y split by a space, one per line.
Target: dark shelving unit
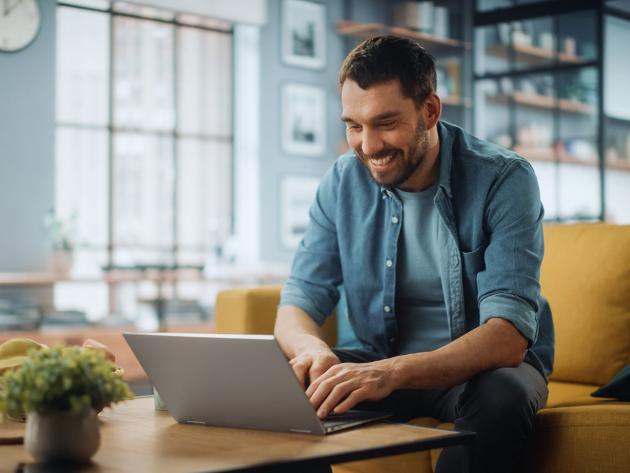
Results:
539 90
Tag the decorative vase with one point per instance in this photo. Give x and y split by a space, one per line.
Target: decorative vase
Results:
62 436
62 261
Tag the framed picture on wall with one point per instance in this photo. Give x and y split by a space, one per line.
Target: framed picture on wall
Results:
303 120
304 34
297 195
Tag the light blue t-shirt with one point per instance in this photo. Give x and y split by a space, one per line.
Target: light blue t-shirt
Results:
421 311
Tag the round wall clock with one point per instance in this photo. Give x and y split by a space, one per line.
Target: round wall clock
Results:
19 23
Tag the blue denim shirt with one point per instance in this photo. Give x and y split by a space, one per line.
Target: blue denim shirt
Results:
490 234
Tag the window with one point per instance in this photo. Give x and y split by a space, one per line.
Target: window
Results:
144 137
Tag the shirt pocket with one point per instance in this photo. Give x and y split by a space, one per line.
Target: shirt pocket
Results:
473 261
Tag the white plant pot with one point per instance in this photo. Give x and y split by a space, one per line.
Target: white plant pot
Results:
62 261
62 436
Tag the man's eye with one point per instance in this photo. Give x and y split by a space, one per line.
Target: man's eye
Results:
387 124
353 126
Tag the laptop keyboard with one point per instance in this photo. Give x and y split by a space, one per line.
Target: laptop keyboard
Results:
350 417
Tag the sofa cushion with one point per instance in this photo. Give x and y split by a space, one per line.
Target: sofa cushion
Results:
563 394
580 439
618 388
585 275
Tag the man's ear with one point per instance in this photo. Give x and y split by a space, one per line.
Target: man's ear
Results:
431 110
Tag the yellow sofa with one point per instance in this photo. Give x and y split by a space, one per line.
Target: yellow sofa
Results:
586 278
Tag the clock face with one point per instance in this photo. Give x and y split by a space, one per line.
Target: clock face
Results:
19 23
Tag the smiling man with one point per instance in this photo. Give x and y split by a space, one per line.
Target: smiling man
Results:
435 237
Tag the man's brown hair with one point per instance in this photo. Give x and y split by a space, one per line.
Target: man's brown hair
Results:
385 58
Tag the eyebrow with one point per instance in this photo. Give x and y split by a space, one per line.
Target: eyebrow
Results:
379 117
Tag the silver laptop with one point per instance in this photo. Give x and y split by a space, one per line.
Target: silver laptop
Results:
242 381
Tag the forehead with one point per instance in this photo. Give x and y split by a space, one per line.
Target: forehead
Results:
362 104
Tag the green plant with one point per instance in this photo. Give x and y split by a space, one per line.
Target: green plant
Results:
61 379
61 230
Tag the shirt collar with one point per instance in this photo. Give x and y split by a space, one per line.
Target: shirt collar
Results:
445 157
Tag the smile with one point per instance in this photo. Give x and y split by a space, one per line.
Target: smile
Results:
382 162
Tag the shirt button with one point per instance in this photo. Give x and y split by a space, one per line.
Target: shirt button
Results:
387 308
394 219
455 261
392 340
389 263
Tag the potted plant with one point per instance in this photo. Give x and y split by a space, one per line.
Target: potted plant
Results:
61 233
61 390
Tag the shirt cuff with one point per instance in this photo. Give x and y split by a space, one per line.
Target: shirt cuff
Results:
514 309
294 297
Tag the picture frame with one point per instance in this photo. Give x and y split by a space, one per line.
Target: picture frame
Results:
304 34
303 119
297 195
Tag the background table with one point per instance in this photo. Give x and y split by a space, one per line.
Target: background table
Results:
137 438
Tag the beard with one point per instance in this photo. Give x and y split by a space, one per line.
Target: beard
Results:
407 161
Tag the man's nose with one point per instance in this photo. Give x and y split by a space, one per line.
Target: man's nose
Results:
371 142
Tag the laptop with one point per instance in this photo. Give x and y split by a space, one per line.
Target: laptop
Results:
242 381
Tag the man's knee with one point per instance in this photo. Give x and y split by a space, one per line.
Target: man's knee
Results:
500 396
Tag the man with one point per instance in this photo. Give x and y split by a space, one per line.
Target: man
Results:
436 238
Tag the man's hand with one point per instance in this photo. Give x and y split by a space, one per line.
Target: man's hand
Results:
311 364
345 385
93 344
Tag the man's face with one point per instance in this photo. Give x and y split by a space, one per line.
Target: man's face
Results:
385 129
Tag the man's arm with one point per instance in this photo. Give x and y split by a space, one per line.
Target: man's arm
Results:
301 340
495 344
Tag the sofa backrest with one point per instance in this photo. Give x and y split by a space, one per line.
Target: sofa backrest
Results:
585 275
253 311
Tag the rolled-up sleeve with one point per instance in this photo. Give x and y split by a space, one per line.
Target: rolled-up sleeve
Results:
316 270
509 285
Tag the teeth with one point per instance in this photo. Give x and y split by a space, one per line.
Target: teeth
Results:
381 161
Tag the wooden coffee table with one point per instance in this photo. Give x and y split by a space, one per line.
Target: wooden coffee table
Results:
135 437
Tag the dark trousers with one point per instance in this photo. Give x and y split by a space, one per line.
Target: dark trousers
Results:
498 405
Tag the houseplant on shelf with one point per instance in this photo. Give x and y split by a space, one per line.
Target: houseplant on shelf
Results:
61 232
61 390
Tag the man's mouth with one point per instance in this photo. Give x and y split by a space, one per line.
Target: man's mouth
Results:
382 161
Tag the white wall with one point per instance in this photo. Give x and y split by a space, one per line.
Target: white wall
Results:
27 148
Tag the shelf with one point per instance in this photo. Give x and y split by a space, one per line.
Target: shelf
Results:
368 30
618 164
569 159
533 54
548 155
456 101
543 102
541 154
29 279
624 120
575 106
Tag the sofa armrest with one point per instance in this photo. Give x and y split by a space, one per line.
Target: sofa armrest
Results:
253 311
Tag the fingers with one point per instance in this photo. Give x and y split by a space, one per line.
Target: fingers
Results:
343 397
309 367
345 385
300 368
90 343
337 381
316 381
352 400
317 370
